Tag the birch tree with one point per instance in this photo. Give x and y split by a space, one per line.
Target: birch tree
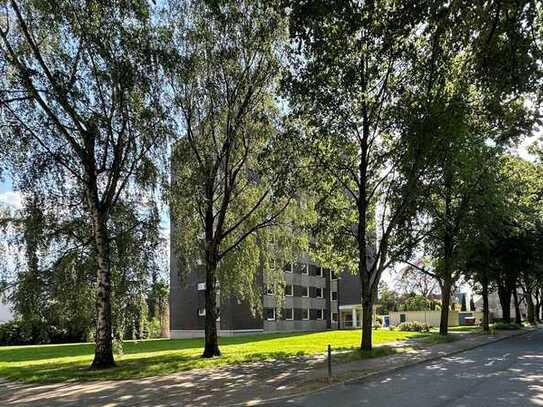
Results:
78 107
232 195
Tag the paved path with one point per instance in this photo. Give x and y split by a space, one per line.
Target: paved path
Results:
250 382
506 373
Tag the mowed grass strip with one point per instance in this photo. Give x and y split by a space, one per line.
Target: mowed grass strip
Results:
53 363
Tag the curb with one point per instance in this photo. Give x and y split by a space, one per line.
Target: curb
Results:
364 377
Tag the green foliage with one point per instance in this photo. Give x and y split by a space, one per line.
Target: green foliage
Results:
414 326
506 326
232 193
12 333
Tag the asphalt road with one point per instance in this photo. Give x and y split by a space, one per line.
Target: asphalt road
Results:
506 373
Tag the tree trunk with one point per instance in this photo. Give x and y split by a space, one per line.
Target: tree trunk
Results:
103 354
445 303
531 307
367 305
518 317
537 305
504 295
486 312
211 347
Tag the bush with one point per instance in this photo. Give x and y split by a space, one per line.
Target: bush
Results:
506 326
153 328
414 326
12 333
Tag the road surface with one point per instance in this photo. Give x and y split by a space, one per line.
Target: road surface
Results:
506 373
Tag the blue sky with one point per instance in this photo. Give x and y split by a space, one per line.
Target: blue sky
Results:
5 186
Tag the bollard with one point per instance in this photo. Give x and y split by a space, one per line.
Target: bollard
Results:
329 364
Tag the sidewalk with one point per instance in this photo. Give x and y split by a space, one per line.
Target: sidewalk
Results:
239 384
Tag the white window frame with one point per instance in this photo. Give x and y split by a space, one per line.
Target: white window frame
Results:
321 272
322 314
290 268
305 269
201 286
306 291
274 316
269 290
303 316
291 290
322 292
201 312
332 316
291 314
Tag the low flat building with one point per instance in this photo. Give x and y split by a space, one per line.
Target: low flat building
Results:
433 317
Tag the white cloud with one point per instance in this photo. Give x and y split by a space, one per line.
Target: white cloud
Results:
11 199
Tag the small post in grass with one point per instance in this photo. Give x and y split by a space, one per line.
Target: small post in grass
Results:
329 364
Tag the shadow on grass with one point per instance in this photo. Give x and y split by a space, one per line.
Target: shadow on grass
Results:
133 368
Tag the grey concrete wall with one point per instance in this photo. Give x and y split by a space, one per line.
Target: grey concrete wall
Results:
185 299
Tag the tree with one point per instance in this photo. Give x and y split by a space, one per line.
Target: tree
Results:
471 112
411 280
231 183
346 76
388 299
51 267
78 92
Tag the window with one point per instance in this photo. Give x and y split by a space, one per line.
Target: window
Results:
269 314
288 268
269 290
319 313
201 286
334 295
305 292
334 316
402 317
318 292
289 290
304 268
289 314
201 312
305 314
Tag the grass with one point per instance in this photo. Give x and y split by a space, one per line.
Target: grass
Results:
53 363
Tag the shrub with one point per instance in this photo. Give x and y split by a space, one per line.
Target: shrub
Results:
507 326
153 328
414 326
12 333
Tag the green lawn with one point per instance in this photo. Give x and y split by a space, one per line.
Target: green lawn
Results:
162 356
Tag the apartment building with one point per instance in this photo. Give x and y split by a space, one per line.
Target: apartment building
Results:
316 299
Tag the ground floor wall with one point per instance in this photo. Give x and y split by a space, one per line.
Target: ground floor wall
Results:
433 317
199 333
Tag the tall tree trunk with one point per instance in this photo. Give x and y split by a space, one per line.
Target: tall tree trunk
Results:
211 347
504 294
486 312
518 317
445 304
103 355
362 206
367 305
537 305
531 307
